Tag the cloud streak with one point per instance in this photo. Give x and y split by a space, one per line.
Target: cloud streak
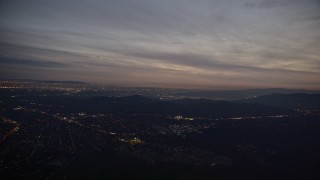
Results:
207 43
30 62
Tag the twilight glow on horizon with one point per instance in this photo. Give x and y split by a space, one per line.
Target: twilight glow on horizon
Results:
211 44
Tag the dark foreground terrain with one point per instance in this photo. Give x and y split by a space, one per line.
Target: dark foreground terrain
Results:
51 134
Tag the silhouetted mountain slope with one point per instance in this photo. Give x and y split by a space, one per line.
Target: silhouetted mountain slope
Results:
305 101
49 134
241 94
142 105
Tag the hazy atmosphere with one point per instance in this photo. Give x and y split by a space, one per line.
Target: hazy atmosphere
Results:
216 44
160 89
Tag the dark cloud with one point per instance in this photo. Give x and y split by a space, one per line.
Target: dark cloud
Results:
269 3
30 62
313 18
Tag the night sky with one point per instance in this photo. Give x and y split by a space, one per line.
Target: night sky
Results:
217 44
